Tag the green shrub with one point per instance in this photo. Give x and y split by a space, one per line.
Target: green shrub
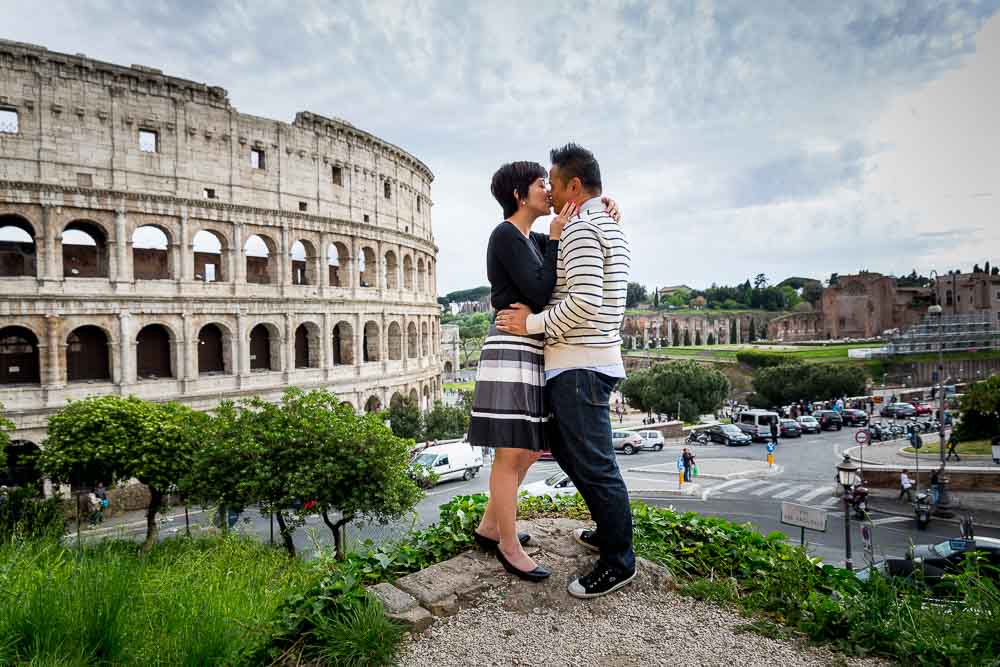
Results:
358 636
758 359
25 514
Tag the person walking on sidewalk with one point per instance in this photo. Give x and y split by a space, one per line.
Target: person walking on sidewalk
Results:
953 447
905 486
688 464
774 431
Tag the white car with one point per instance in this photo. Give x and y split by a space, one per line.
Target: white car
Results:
558 484
450 461
651 440
626 442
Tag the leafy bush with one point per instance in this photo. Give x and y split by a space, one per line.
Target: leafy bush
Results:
981 410
692 387
781 385
24 514
760 359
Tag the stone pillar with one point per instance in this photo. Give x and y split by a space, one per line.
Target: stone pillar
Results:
123 265
326 342
55 373
50 269
284 259
189 344
404 321
739 334
126 349
380 282
359 342
645 336
355 258
237 270
322 267
399 268
241 365
383 340
183 252
288 347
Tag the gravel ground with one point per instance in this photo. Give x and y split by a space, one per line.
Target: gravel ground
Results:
632 628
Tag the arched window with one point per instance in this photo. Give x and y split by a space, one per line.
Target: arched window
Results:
391 271
407 272
373 404
425 340
366 268
211 353
371 341
396 400
18 254
87 355
260 252
411 341
343 344
307 345
260 348
337 257
421 278
85 250
152 352
18 356
208 257
150 254
303 263
395 342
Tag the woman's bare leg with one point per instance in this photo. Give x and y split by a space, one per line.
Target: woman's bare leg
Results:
488 526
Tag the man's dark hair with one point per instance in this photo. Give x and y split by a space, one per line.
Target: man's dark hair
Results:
514 176
575 161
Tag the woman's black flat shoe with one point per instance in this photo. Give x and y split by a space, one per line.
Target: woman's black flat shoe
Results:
487 543
536 575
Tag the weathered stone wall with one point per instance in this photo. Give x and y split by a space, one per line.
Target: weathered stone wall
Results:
76 161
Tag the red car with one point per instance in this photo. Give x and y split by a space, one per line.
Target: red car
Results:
921 408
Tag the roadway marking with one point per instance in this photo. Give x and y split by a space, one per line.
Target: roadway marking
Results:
891 519
792 491
830 502
815 493
731 485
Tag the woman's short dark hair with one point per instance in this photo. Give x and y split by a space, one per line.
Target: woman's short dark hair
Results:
576 161
514 176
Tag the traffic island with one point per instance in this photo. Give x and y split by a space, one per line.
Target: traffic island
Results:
715 469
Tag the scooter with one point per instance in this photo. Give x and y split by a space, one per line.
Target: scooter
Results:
696 438
858 500
922 509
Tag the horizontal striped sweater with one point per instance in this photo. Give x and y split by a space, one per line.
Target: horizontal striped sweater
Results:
583 318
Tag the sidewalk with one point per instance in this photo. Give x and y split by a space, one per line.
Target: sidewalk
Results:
715 469
889 453
985 506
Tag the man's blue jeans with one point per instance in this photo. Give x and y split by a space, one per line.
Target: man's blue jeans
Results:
580 440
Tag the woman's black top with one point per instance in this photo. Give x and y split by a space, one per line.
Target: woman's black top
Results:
520 269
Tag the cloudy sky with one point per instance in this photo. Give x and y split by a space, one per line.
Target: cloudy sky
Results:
796 138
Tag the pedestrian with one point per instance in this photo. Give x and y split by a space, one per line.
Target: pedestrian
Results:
953 447
774 431
905 485
688 464
102 496
936 486
94 505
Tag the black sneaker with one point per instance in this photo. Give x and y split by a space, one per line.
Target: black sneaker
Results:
587 538
601 581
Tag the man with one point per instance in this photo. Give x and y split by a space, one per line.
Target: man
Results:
905 486
774 431
953 447
583 363
688 464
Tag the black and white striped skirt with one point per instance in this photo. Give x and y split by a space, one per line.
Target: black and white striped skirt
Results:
508 408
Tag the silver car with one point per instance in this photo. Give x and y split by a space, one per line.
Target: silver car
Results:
626 442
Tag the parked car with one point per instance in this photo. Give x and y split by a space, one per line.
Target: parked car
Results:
829 420
808 424
626 442
652 440
757 423
898 410
789 428
728 434
853 417
451 461
921 408
558 484
903 568
948 555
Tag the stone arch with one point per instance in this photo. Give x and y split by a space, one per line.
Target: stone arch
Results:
18 249
88 356
303 258
425 340
207 247
407 272
265 347
421 276
214 343
307 345
261 254
367 267
396 400
19 356
18 464
448 368
151 253
153 345
395 340
373 404
337 259
415 396
371 341
391 271
425 398
411 340
85 250
343 344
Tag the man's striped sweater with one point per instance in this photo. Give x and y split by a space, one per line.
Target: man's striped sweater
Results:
584 315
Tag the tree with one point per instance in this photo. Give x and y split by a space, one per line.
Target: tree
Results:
760 281
695 388
834 279
981 410
656 298
404 419
732 332
812 293
472 329
793 381
752 333
634 295
443 422
111 439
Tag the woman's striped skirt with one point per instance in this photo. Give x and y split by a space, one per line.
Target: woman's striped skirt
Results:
508 408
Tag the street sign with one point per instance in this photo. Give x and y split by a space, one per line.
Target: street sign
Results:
861 437
770 447
803 516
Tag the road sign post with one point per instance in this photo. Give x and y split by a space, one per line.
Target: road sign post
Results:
770 453
803 516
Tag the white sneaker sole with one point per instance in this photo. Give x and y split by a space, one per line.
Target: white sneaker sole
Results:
579 540
577 591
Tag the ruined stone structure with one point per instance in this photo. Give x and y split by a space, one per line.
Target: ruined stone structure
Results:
863 305
969 293
450 348
155 241
641 332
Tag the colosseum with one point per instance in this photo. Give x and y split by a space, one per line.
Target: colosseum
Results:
154 241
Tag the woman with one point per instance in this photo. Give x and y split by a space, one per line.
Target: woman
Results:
508 411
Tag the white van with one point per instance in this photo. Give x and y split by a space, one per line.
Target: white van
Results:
449 461
757 423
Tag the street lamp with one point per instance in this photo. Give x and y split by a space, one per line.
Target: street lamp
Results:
847 475
944 500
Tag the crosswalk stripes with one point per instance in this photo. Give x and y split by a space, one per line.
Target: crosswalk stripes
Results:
793 490
805 494
818 491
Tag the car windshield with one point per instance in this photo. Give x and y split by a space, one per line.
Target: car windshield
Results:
807 419
555 479
789 422
949 548
425 460
731 429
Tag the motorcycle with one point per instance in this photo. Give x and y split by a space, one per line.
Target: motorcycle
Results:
696 438
922 510
857 498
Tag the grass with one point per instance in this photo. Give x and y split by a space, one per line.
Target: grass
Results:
188 602
972 447
460 386
835 353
